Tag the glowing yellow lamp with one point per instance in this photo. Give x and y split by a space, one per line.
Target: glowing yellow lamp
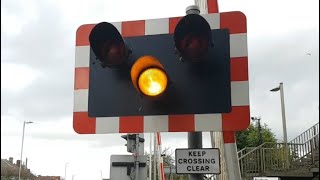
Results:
148 76
152 82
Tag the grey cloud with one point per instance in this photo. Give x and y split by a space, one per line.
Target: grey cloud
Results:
46 46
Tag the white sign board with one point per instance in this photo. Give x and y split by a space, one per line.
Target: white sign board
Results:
198 161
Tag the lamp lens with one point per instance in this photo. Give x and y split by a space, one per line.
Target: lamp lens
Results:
152 82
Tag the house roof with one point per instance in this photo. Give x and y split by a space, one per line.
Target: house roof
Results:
6 163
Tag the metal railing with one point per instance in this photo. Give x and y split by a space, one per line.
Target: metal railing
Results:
244 151
271 157
306 135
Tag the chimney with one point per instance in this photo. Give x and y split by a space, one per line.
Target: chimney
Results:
18 162
26 163
11 160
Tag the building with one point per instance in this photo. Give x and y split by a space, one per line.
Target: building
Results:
11 169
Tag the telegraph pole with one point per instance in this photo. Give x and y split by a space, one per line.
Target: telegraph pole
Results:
259 128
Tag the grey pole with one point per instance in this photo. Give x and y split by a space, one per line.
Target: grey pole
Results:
285 139
65 171
150 158
284 125
136 157
24 125
260 133
195 141
171 174
154 156
194 138
259 128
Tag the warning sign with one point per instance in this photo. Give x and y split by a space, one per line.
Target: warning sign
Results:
198 161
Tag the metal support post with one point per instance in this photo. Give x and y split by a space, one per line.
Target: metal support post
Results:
133 146
150 158
136 158
194 138
65 171
155 155
231 156
284 124
260 133
170 173
195 141
258 119
24 125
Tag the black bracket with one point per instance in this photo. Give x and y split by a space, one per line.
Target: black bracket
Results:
129 165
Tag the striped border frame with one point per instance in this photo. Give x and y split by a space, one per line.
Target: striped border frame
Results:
238 119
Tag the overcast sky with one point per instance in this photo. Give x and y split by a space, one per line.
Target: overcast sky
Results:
37 73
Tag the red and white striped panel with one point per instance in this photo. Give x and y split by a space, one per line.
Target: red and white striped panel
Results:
237 119
160 158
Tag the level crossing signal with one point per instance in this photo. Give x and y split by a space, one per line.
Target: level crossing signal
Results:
163 71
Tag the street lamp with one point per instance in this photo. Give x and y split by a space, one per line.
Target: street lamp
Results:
285 139
259 128
24 125
65 171
282 110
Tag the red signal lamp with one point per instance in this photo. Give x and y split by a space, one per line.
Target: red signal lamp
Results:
108 45
192 37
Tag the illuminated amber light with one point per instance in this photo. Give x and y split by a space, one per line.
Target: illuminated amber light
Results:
152 82
148 76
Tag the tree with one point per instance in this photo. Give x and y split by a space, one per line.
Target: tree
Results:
250 137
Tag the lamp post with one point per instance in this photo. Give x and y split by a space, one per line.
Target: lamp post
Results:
24 125
282 110
284 126
65 171
259 128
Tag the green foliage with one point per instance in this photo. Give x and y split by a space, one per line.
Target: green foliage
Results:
250 137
